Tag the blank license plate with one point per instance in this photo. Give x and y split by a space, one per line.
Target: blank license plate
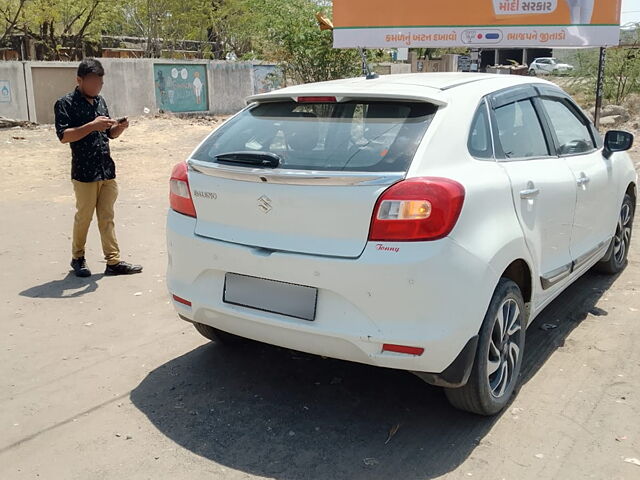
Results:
270 296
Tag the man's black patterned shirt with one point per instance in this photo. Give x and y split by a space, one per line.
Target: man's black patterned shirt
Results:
90 157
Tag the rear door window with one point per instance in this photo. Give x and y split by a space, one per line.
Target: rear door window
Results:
519 131
349 136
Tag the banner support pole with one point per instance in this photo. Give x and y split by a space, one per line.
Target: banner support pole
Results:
600 85
366 70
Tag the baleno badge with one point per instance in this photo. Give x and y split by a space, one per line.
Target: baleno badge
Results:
206 195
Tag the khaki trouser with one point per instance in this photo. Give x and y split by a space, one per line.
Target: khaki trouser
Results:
99 197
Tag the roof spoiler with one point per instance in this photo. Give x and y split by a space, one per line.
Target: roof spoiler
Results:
346 97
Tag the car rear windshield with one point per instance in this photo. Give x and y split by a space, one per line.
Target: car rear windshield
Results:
349 136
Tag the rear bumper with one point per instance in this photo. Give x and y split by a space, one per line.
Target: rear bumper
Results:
432 295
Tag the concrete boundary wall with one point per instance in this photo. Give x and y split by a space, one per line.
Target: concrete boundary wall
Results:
43 92
15 104
129 87
229 85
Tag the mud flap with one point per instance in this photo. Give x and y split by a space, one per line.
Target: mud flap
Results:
457 374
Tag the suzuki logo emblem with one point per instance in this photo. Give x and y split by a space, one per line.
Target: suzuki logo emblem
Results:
264 204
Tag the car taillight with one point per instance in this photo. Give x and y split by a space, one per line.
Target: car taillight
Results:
180 194
418 209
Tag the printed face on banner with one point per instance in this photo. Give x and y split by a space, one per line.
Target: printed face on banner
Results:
507 23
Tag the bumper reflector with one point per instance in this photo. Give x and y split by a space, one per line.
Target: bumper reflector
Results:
387 347
181 300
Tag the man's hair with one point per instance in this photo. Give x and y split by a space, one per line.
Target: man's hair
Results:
90 65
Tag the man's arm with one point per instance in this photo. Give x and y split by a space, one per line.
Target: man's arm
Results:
68 134
78 133
115 132
74 134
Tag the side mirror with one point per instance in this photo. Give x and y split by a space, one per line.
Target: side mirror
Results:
617 141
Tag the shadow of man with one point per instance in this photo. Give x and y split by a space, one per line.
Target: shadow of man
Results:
68 287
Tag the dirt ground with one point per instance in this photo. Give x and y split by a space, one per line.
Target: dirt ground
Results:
100 380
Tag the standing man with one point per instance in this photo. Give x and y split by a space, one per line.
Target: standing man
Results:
82 120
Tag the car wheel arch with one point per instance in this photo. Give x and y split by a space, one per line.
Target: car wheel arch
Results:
518 268
520 273
632 191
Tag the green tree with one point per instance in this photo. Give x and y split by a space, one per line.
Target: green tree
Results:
162 23
60 28
10 11
622 72
231 28
287 32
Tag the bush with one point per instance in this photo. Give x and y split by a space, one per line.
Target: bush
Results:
622 72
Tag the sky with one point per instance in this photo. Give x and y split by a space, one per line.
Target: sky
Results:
630 11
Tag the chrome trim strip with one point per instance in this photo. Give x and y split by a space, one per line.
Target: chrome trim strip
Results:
591 254
555 276
296 177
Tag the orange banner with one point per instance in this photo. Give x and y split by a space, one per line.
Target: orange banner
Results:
369 23
406 13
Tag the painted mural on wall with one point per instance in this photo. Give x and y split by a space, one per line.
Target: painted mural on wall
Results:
181 88
266 78
5 91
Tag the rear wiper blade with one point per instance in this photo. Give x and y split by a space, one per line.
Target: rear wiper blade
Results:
250 159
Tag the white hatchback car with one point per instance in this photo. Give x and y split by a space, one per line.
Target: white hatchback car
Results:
417 222
549 66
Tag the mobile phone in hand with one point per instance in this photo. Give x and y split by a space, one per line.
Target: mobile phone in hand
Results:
122 120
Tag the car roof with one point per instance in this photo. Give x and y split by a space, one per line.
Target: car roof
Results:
438 88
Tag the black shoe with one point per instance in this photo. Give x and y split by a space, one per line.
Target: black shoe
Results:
80 268
122 268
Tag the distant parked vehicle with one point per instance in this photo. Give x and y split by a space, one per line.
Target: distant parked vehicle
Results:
549 66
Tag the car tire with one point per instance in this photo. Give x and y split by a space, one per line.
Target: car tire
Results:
498 359
532 72
615 259
218 336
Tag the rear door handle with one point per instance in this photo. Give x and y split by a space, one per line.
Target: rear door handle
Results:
583 180
530 192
